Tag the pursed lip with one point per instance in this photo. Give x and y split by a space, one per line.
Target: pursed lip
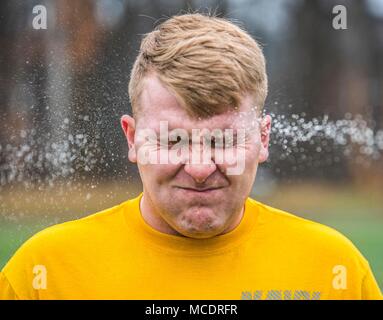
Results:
200 189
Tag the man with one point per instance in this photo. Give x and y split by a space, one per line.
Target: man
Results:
197 90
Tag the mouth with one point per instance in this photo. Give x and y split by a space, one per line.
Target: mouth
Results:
200 190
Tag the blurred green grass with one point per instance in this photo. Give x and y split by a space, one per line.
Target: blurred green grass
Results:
358 214
13 234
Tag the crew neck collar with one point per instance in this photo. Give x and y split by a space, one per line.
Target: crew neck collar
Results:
185 245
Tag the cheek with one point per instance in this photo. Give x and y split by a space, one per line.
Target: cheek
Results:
157 174
253 148
247 156
252 160
252 154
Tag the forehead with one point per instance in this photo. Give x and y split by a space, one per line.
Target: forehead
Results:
158 103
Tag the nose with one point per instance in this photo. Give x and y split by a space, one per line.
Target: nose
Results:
201 171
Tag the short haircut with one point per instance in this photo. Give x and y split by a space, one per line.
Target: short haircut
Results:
207 62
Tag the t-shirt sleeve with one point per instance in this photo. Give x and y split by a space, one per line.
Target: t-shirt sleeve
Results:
370 288
6 290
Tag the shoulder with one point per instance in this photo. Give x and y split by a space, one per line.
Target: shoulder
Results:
309 236
70 235
102 220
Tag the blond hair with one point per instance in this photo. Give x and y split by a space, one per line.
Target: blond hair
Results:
208 63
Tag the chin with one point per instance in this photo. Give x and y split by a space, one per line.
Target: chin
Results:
199 235
201 232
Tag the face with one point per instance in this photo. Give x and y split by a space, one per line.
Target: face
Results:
198 199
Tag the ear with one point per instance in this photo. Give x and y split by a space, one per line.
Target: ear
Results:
128 125
265 138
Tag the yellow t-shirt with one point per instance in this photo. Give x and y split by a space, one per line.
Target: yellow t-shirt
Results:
114 254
